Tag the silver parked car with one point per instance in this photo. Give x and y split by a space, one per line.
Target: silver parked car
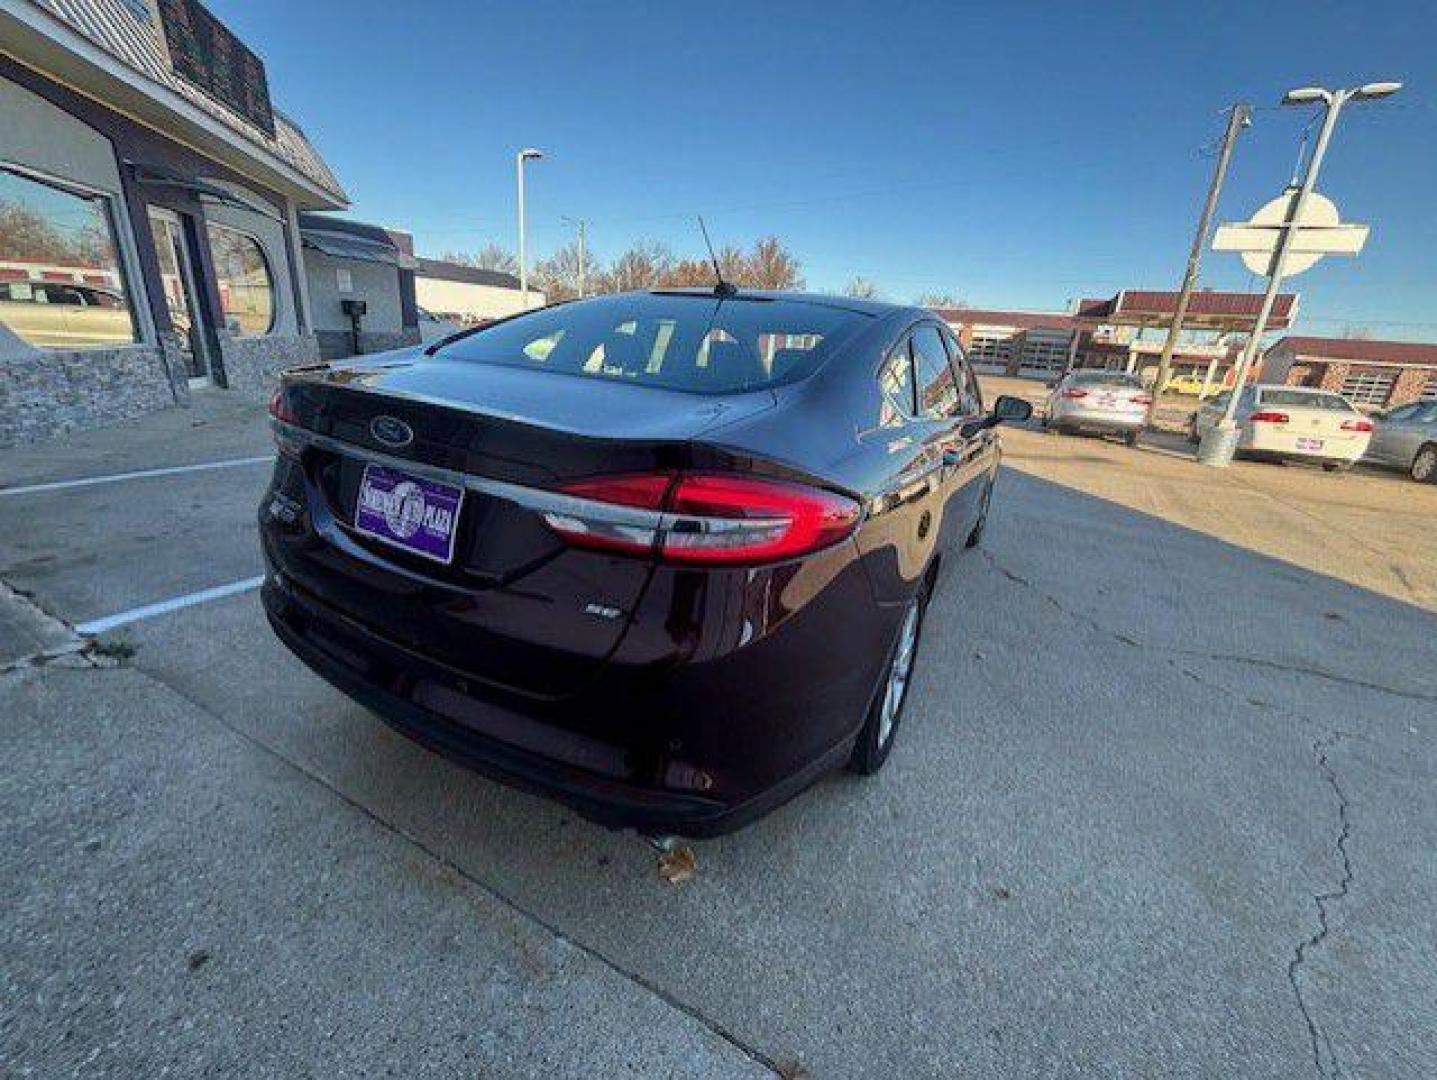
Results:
1406 438
1107 402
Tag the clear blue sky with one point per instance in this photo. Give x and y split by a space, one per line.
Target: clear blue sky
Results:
1016 155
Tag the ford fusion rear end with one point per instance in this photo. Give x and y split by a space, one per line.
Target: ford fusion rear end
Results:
599 587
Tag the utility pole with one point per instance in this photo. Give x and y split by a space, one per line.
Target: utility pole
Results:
582 226
1238 117
1218 450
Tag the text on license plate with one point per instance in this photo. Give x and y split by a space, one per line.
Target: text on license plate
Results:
408 512
1309 444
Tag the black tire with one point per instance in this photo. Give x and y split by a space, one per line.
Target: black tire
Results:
1424 464
1130 438
976 536
873 744
1336 466
1194 438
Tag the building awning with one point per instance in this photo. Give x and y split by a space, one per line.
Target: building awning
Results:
348 246
203 189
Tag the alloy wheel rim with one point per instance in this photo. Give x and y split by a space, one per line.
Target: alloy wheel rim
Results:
898 675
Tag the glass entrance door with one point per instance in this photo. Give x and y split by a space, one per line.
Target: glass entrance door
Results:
181 296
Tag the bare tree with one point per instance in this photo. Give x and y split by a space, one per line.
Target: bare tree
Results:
558 275
690 273
860 288
644 266
490 257
771 266
939 299
27 235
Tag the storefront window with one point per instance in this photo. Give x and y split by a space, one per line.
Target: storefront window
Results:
245 283
61 286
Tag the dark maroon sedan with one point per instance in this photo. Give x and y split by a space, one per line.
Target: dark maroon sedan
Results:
664 556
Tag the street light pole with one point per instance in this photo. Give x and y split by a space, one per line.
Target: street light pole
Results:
519 159
1239 117
1219 445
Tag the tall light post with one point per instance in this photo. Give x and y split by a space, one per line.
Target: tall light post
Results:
1218 447
527 154
582 226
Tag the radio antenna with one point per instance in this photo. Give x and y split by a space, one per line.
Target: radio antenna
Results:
723 288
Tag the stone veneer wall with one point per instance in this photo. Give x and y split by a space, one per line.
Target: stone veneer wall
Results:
338 345
251 364
47 394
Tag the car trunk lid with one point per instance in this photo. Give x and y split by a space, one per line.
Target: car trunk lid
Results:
513 605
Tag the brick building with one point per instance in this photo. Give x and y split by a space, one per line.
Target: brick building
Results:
1371 374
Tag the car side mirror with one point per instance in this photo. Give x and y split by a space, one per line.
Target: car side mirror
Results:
1010 410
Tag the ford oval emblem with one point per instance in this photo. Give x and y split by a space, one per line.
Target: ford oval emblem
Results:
391 431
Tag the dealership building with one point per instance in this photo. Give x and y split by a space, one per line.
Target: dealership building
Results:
1371 374
150 195
1123 332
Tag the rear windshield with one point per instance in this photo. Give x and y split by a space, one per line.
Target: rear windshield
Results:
1307 399
693 343
1107 378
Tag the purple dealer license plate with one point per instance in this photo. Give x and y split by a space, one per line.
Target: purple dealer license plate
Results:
409 512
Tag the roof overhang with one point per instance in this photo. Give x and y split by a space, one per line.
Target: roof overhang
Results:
39 40
345 246
1207 310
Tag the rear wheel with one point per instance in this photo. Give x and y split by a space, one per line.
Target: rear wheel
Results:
1194 438
1336 466
1130 438
1424 465
876 738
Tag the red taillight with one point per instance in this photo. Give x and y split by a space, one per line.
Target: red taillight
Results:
1268 417
1073 394
644 490
1357 425
1142 399
702 518
279 409
738 519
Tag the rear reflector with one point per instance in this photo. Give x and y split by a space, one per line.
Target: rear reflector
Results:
1357 425
702 518
1142 399
1269 418
1073 395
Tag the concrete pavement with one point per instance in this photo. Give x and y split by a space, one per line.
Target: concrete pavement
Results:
1163 804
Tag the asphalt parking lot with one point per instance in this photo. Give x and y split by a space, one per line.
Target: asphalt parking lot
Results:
1163 805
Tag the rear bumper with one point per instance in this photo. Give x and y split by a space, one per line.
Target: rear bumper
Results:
431 705
1285 447
1099 421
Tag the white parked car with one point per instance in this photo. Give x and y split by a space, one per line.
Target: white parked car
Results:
1292 423
1106 402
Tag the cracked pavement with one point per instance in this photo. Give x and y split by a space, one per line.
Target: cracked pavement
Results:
1163 804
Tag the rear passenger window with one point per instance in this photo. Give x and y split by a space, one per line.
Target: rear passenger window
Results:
937 392
970 397
895 383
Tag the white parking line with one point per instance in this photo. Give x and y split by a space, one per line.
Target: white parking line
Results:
143 474
164 607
